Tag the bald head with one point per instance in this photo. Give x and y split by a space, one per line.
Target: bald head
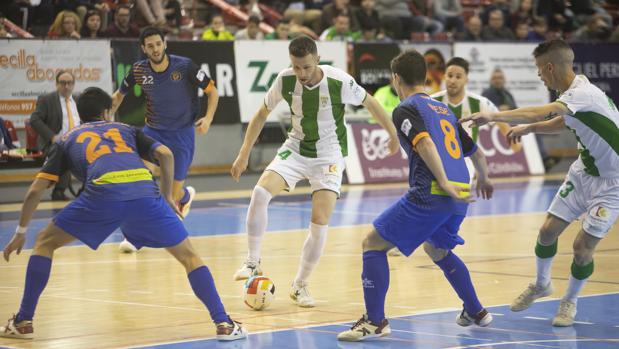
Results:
556 51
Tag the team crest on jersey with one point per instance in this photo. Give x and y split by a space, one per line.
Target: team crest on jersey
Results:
176 75
406 127
324 101
332 168
601 212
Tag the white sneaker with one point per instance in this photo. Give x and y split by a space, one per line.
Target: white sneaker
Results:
300 295
187 206
21 330
565 314
365 329
230 331
482 319
247 270
126 247
529 295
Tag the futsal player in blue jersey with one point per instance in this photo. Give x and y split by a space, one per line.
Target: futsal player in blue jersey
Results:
119 192
170 84
435 205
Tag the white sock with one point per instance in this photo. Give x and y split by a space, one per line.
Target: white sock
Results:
312 250
257 219
573 289
543 271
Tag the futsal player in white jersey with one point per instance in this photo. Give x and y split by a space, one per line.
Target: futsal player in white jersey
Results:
591 188
315 149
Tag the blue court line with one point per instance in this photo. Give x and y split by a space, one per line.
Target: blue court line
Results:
596 328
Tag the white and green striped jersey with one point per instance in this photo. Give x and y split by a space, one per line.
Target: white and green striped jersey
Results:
594 119
471 103
318 126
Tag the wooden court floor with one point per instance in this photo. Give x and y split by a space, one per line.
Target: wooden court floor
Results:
104 299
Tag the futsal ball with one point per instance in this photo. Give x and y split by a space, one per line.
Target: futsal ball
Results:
259 292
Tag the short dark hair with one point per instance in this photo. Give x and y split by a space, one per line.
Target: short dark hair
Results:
64 71
551 47
123 6
91 104
302 46
148 32
460 62
410 66
253 19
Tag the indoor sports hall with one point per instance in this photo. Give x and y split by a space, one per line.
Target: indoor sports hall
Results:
111 299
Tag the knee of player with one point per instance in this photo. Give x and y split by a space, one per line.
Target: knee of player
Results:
260 196
582 253
436 254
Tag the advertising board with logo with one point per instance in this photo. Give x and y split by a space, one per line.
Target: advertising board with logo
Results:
28 69
259 62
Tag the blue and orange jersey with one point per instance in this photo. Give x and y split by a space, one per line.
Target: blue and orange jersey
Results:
107 158
420 116
172 95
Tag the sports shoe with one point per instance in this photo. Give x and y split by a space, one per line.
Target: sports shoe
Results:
483 318
21 330
247 270
127 247
184 208
300 295
230 331
529 295
565 314
365 329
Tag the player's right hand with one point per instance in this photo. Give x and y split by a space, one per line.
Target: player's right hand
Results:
238 167
16 244
457 192
515 133
478 119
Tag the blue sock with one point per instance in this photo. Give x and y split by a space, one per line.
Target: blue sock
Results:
458 276
375 281
185 197
203 286
37 275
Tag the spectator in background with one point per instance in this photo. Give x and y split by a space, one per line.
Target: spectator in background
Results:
367 14
152 12
66 25
522 31
497 93
388 99
449 12
371 31
80 7
251 31
217 30
502 5
540 30
297 28
281 32
524 13
473 30
422 13
435 72
399 22
173 12
122 28
92 25
496 30
556 13
336 8
308 13
56 114
596 30
340 31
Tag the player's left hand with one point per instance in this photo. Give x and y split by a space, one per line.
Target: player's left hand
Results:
394 145
484 188
203 125
16 244
478 119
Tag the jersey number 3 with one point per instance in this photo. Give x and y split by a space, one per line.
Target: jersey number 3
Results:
94 151
451 142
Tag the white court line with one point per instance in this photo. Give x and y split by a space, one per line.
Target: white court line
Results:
584 322
497 314
537 318
533 342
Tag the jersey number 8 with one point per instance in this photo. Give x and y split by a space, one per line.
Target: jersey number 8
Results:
451 142
93 151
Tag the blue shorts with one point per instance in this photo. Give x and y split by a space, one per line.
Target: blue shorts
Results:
407 226
182 144
147 222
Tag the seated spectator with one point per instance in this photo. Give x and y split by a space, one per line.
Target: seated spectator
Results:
92 25
495 30
502 5
524 13
370 31
422 13
122 28
66 25
497 93
173 12
596 30
307 12
336 8
473 30
558 17
340 31
152 12
522 31
449 12
252 31
281 32
540 30
399 22
217 30
80 7
367 13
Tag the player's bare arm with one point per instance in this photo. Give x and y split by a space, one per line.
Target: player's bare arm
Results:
166 164
554 125
379 113
525 115
117 99
251 135
483 185
33 197
204 123
429 154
